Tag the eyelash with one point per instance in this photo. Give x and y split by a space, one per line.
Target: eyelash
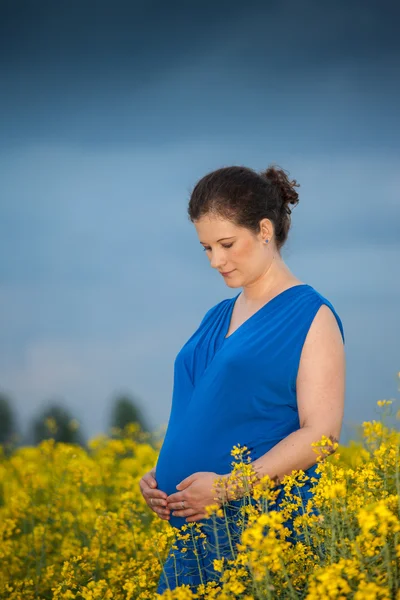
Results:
223 245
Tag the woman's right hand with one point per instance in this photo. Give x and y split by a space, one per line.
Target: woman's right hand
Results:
155 498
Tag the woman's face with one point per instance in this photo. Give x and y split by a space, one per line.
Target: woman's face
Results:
238 254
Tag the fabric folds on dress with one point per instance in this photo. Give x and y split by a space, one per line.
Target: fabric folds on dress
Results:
239 389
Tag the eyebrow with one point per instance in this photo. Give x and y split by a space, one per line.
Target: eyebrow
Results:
220 240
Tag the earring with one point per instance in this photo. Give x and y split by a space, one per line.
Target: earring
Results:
266 241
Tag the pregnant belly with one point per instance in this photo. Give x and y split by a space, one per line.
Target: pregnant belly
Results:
183 454
181 457
178 460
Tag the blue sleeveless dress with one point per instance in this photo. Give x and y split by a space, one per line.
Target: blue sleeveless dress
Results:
239 389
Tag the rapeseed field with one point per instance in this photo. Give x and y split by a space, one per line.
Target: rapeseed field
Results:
73 524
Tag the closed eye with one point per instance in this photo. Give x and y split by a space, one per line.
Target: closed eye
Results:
223 245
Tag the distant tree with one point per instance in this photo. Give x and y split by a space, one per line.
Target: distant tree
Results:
124 411
8 422
56 422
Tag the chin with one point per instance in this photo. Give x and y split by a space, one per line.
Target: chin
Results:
232 284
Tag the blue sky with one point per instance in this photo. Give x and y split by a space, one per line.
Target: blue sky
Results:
109 116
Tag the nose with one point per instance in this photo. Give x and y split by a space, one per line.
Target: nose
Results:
217 259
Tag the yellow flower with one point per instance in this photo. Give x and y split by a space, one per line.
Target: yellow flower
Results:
218 564
384 402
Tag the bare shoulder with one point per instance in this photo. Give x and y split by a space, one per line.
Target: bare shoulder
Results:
321 377
324 340
324 325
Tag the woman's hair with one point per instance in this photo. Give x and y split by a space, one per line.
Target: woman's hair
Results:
245 197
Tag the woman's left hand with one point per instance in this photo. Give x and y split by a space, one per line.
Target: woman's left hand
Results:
196 491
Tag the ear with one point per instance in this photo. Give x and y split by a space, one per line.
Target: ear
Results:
265 229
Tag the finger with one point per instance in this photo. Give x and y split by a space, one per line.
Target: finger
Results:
176 505
154 501
150 480
163 517
176 497
162 513
155 493
160 509
185 513
196 517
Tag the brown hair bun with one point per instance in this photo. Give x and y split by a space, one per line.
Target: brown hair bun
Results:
280 178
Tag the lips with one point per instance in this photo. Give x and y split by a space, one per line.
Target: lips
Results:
227 272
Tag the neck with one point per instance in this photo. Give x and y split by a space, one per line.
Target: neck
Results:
275 277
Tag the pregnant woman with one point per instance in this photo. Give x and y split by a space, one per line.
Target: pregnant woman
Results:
265 369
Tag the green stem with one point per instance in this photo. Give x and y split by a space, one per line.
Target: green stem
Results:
197 556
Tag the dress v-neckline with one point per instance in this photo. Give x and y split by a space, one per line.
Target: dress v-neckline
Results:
233 302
